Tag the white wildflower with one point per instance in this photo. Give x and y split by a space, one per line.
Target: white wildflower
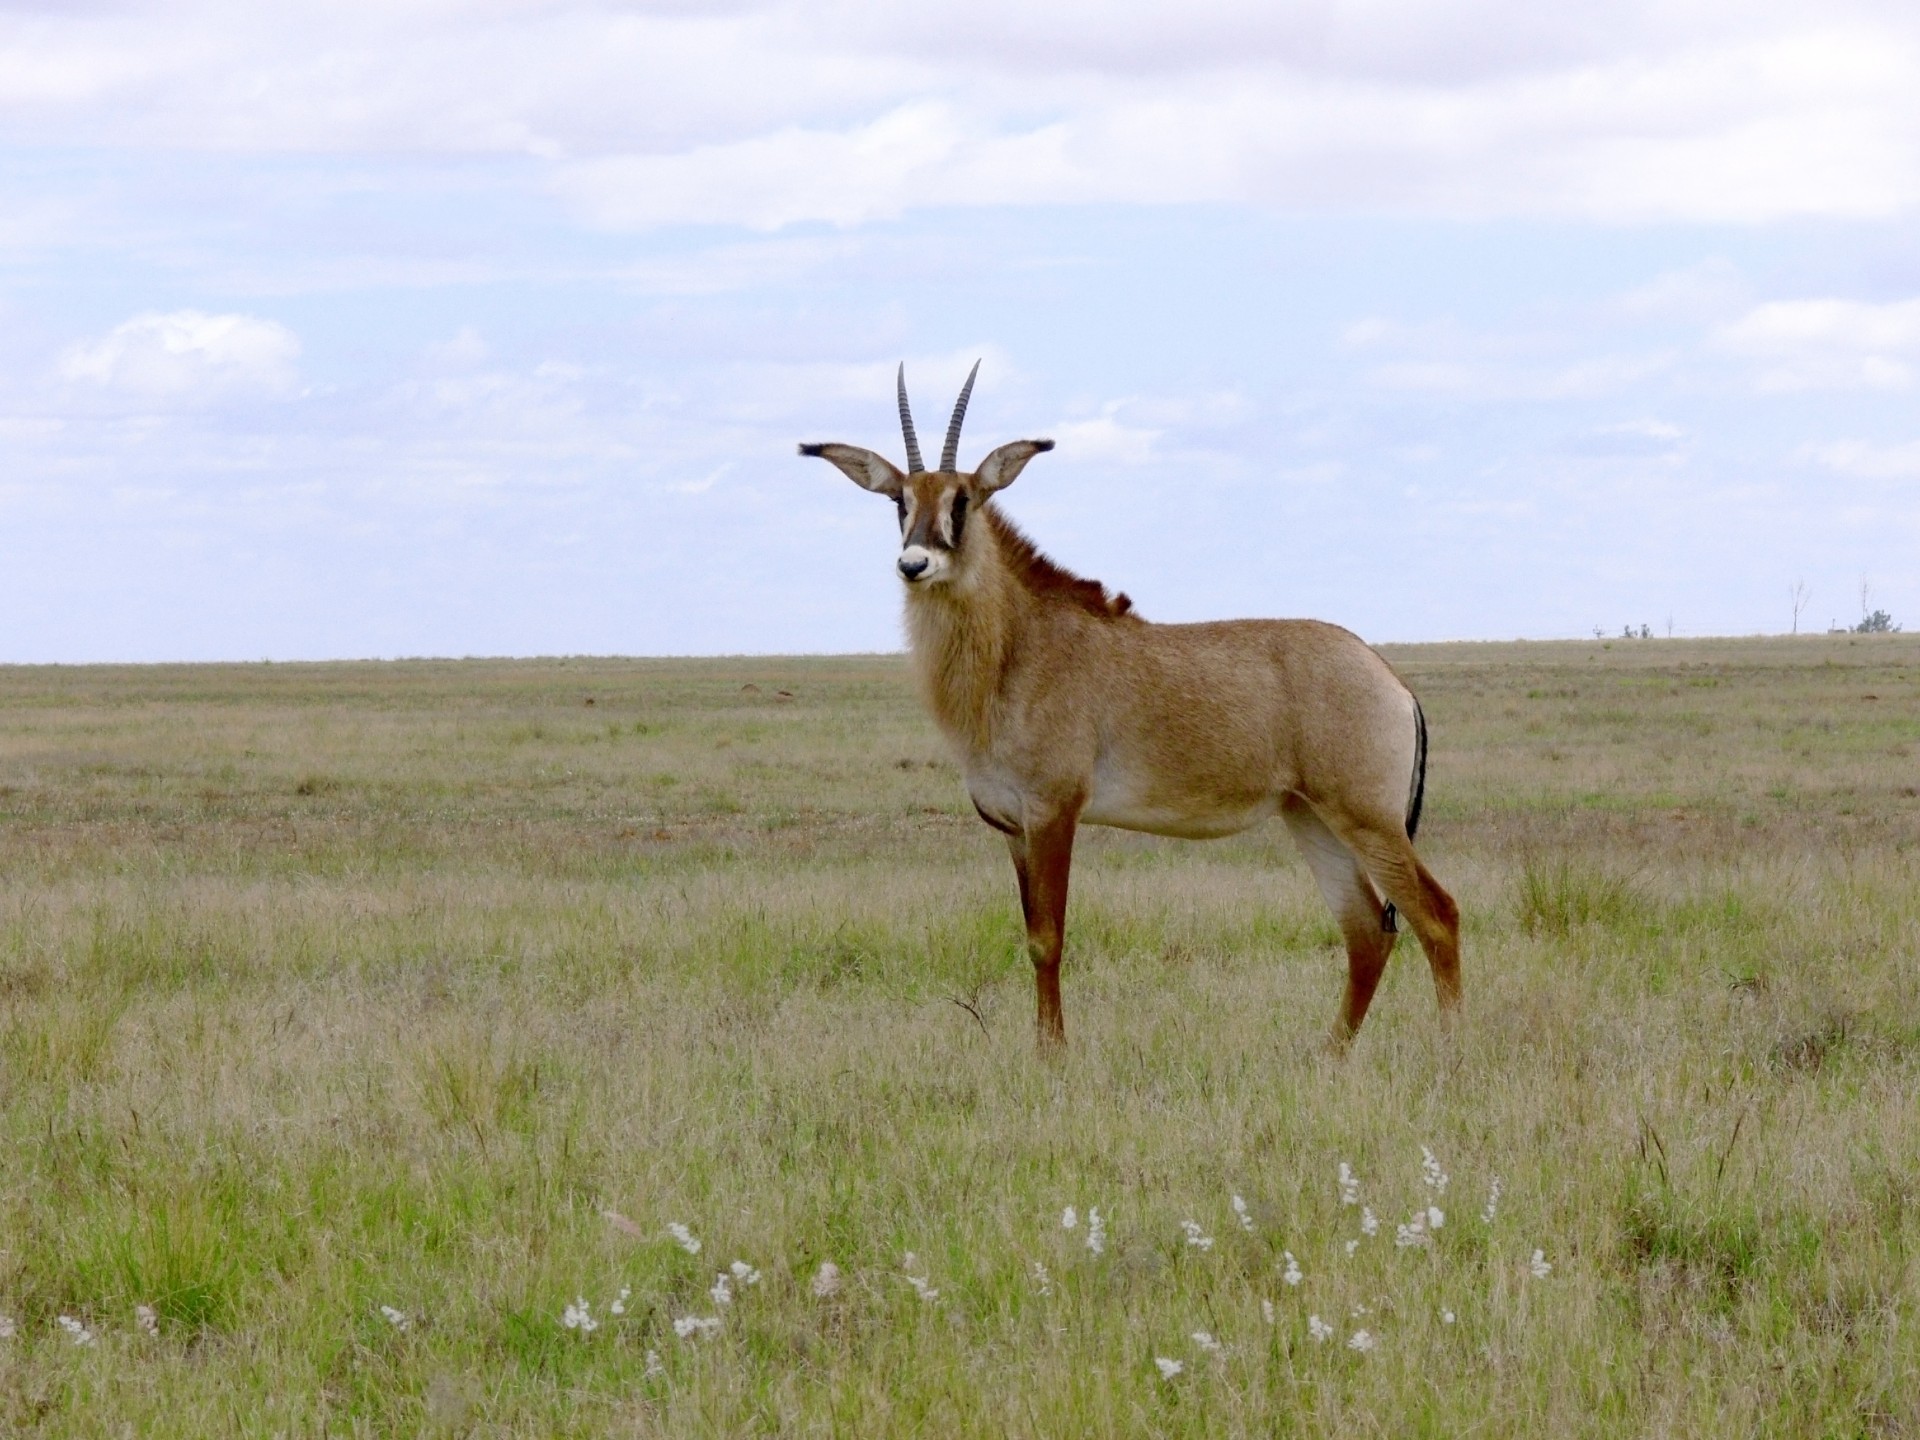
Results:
579 1316
619 1305
8 1328
396 1318
1352 1245
1414 1232
1436 1217
1240 1210
1430 1171
1196 1237
1292 1273
1539 1265
683 1237
722 1290
919 1282
1266 1310
688 1327
1206 1342
1369 1222
1362 1340
1042 1279
1168 1368
826 1284
1069 1218
1096 1231
744 1273
1318 1328
1446 1317
654 1368
147 1318
1349 1185
1493 1201
80 1333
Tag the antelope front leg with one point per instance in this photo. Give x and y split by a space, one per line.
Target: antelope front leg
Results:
1042 857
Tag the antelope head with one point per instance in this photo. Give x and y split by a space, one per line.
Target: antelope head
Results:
933 504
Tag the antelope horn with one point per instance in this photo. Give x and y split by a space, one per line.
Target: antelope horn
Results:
951 453
906 424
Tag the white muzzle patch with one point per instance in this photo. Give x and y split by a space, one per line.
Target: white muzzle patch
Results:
918 564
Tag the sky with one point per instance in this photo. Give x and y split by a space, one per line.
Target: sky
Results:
489 327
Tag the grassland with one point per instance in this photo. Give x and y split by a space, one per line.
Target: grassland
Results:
331 988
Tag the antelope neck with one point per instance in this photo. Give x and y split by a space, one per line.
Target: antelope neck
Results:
961 634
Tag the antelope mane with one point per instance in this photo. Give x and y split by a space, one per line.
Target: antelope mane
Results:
1046 580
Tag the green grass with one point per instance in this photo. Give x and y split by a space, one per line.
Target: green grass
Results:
329 988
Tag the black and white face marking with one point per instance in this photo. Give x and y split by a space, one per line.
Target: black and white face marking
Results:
933 520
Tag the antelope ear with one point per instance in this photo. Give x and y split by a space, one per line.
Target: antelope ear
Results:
1004 465
866 469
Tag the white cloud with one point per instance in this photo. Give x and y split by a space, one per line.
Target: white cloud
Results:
1105 438
1518 379
741 266
767 114
1868 461
1827 344
868 173
1787 326
1698 293
467 347
1631 439
1739 136
813 393
185 354
1658 431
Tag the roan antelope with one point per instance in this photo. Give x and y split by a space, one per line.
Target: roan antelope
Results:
1066 708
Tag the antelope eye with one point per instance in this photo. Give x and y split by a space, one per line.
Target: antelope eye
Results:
900 508
959 515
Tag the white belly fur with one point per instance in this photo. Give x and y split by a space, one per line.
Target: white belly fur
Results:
1118 800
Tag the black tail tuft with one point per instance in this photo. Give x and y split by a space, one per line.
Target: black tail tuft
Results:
1419 769
1389 917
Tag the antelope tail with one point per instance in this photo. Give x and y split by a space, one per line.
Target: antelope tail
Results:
1416 794
1419 787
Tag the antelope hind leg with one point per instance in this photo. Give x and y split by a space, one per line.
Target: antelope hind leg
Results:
1356 907
1389 858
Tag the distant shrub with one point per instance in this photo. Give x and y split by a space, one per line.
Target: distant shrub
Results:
1878 623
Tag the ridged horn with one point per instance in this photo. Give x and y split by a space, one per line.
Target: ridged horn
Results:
906 424
950 454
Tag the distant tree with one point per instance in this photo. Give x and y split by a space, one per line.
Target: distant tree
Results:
1800 594
1872 621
